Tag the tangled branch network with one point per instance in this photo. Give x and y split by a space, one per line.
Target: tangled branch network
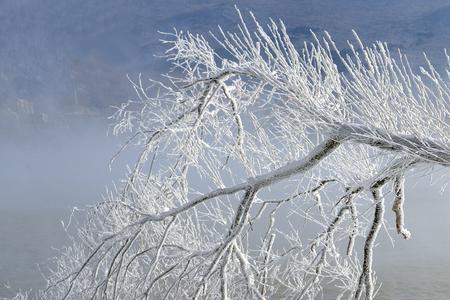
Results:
264 171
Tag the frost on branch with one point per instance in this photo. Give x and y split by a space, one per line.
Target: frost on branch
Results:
261 173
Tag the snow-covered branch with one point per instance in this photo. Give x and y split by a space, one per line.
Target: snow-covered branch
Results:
245 120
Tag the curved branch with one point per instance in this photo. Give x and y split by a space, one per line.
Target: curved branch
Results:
366 279
397 207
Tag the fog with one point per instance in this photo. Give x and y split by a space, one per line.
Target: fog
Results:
45 172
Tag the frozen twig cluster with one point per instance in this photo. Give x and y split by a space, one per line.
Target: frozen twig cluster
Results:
245 141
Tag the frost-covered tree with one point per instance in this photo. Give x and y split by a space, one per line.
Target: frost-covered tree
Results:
264 171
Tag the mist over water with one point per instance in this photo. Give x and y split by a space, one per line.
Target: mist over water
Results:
46 172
